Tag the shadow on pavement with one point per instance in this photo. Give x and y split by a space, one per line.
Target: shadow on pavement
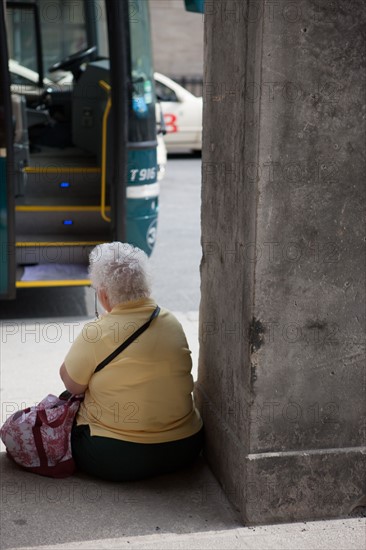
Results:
38 511
48 302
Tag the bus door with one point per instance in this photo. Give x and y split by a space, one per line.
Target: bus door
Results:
57 185
85 164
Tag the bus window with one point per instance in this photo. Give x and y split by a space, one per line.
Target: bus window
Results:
22 42
64 30
142 111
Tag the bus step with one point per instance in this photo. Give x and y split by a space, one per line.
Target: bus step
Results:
35 278
61 220
62 182
53 274
22 202
51 251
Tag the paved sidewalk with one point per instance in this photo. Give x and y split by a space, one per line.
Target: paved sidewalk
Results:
184 510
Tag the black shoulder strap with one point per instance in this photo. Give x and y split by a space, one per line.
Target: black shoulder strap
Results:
127 342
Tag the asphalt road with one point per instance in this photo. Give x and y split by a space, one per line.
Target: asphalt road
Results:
175 259
177 255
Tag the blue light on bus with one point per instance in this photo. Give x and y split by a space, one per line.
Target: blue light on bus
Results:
67 222
64 184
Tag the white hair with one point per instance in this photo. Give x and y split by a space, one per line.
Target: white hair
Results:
121 270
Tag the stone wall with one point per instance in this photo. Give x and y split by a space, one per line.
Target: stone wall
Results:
281 380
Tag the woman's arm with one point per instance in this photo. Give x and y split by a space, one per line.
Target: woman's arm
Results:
70 385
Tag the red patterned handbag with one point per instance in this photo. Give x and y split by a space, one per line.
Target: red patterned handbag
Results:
39 438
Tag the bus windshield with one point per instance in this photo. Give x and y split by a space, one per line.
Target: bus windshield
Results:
64 31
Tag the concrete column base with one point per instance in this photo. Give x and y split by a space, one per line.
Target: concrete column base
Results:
276 487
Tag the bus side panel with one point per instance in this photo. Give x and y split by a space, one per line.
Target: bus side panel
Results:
7 256
142 223
4 274
142 166
142 198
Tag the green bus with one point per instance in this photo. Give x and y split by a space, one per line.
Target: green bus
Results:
78 143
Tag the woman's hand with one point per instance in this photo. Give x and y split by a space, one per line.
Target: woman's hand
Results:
70 385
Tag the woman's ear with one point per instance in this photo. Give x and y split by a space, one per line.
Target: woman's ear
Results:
103 298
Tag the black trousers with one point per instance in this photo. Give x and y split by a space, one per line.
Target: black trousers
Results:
116 460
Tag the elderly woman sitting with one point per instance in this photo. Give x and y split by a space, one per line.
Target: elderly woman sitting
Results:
138 417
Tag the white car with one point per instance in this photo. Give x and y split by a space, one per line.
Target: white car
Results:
161 153
182 115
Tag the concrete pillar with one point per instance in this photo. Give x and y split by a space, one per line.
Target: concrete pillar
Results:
281 382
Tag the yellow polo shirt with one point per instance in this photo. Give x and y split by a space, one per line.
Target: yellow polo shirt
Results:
145 394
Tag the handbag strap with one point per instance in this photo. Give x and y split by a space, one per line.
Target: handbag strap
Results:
129 340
